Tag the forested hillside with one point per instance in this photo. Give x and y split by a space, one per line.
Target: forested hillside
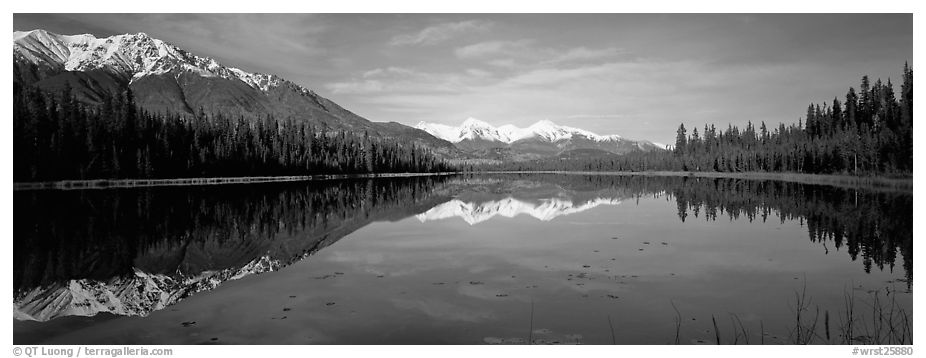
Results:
870 132
56 138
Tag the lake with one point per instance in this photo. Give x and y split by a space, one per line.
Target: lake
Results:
466 259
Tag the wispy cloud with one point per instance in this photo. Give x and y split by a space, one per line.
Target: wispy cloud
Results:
610 97
595 116
441 310
494 49
584 53
435 34
405 80
503 62
525 53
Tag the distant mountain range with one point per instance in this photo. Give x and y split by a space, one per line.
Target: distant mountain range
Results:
169 80
544 209
541 139
168 270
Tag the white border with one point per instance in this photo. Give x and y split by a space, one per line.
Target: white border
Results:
474 6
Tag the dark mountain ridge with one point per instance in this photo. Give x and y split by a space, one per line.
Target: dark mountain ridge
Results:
168 80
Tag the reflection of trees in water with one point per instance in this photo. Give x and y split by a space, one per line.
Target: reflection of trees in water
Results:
871 224
99 234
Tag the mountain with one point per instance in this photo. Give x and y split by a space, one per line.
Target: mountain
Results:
541 139
138 294
167 79
278 229
542 209
187 242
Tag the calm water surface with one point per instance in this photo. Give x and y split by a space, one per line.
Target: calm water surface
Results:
454 260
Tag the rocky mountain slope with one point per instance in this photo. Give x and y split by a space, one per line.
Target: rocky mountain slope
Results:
168 79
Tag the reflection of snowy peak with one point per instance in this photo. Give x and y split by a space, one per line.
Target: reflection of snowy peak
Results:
544 209
134 295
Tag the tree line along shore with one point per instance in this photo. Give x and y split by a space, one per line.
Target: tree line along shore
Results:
60 142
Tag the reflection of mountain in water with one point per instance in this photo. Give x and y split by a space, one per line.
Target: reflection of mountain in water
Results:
542 209
134 295
130 252
134 251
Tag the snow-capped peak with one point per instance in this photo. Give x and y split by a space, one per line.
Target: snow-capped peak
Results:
473 129
475 123
543 209
136 55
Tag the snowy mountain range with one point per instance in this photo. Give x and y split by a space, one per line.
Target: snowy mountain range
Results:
542 209
543 138
138 294
473 128
135 54
169 80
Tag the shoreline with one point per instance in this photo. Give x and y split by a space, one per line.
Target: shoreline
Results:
837 180
140 183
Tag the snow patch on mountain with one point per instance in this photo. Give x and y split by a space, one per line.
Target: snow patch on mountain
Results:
136 55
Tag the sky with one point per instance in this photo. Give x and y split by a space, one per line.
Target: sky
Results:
636 75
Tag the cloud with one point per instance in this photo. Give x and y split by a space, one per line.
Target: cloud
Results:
607 97
441 310
503 62
595 116
439 33
475 72
554 75
584 53
523 53
405 80
494 48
